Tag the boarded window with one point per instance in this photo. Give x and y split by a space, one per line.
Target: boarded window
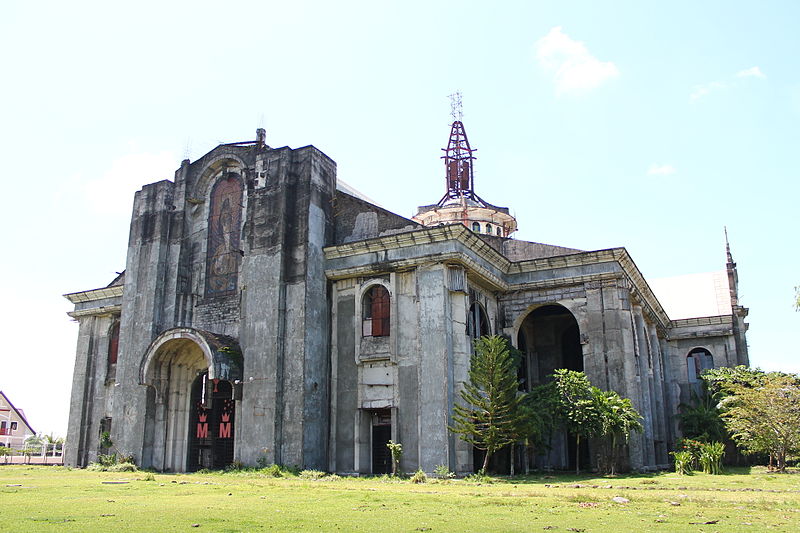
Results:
698 361
376 312
113 345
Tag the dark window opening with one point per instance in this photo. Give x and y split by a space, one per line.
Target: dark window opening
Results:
477 322
476 227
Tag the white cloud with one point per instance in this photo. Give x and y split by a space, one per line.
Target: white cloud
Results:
753 72
574 68
660 170
112 194
704 89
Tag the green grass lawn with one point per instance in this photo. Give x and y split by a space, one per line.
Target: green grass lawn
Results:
62 500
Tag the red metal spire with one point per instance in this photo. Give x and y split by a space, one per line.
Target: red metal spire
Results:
459 177
458 164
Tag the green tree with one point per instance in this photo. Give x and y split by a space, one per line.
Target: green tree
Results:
538 418
489 417
617 419
576 406
700 419
761 411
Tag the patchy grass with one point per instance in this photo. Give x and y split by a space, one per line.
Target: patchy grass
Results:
64 500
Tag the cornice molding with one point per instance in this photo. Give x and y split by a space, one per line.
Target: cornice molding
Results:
95 294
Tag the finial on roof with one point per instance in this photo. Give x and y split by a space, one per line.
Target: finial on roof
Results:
728 246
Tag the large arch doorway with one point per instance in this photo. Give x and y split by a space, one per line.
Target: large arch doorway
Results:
549 338
190 416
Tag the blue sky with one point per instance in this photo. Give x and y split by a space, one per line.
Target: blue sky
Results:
649 125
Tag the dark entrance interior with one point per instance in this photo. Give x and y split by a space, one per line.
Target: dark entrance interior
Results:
381 435
550 339
211 424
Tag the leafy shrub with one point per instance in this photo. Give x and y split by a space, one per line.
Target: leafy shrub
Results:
419 476
312 474
683 462
263 462
695 447
479 477
396 449
96 467
274 471
149 477
711 457
107 460
122 467
443 472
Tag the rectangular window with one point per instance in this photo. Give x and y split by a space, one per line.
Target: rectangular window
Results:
13 426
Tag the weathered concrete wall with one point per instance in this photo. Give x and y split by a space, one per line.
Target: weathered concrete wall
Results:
358 220
285 312
516 250
92 390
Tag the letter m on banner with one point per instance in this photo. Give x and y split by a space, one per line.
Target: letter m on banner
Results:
202 426
225 426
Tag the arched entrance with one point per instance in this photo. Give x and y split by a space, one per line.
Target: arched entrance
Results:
190 418
549 338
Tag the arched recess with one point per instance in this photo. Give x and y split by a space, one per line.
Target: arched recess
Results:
185 369
698 360
549 338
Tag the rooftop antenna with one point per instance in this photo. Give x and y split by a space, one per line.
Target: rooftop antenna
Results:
188 148
456 108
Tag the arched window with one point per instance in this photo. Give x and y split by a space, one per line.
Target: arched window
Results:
697 361
224 227
477 322
498 231
489 229
476 227
113 351
376 313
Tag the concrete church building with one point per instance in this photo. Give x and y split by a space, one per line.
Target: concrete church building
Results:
268 312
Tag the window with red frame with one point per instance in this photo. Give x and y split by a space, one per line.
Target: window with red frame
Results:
376 312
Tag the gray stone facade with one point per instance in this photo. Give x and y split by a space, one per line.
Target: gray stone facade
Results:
268 343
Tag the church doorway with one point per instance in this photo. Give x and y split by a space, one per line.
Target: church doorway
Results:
381 435
549 338
190 411
211 424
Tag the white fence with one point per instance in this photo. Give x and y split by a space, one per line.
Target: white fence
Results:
46 454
